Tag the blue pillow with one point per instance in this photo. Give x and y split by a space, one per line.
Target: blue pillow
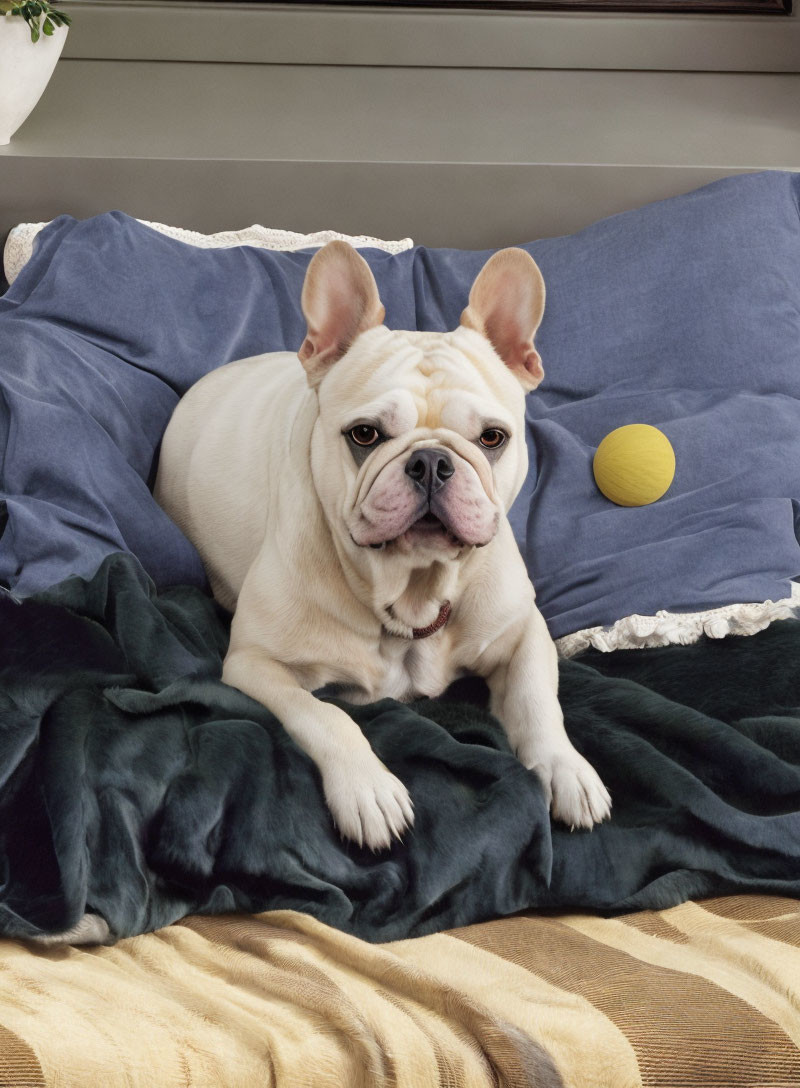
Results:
684 314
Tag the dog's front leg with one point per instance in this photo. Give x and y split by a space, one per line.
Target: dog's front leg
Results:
524 696
368 804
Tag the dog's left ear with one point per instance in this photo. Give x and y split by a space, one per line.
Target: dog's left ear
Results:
340 301
506 305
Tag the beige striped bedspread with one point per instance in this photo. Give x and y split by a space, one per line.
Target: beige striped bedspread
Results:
707 993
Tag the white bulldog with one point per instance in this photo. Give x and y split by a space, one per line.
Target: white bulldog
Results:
349 504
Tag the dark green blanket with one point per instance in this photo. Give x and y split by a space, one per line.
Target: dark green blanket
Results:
135 785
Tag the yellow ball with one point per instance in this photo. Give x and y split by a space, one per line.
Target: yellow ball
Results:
634 465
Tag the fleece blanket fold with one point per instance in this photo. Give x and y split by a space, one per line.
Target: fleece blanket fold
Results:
134 784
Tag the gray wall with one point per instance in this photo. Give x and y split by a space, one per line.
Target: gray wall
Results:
476 129
308 34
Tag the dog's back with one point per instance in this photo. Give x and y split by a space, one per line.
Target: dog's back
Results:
222 490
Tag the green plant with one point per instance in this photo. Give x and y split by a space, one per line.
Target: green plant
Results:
38 14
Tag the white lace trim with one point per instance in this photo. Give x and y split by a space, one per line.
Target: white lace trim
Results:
18 248
19 244
680 628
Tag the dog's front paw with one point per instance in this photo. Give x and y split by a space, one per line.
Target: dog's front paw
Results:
368 804
572 786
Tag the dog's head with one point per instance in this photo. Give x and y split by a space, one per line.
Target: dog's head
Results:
419 447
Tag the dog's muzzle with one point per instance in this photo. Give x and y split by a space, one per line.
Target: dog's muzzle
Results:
430 498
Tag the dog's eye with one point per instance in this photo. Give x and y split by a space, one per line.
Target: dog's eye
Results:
364 435
493 439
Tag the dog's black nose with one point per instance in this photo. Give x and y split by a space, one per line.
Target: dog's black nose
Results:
429 469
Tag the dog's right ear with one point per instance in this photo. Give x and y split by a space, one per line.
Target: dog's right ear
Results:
340 301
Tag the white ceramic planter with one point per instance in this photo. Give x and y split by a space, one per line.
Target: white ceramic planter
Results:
25 70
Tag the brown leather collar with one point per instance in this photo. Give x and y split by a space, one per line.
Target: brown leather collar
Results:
438 623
